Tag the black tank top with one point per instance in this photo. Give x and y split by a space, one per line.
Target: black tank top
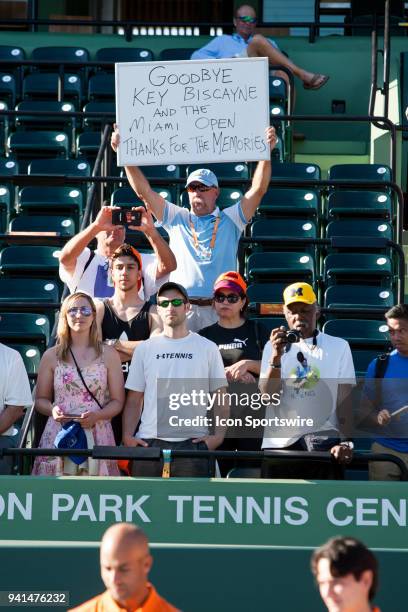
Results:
137 328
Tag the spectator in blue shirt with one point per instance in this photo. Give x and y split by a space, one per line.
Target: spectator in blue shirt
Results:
245 43
393 395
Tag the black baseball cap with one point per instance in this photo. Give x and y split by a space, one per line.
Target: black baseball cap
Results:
169 285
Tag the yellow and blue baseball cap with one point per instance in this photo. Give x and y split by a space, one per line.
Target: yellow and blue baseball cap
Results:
299 292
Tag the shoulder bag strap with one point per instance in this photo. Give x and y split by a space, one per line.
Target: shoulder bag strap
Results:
83 381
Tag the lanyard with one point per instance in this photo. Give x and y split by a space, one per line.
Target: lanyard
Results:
213 237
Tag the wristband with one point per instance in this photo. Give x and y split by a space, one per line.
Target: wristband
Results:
274 366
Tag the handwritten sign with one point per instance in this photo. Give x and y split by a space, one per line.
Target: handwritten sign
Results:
192 111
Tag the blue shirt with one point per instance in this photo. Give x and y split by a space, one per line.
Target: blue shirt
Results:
226 45
394 395
198 265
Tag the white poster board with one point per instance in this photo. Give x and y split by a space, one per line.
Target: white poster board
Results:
192 111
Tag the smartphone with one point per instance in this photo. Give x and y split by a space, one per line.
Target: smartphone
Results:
126 217
72 416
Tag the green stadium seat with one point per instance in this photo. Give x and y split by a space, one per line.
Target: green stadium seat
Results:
353 268
28 290
362 358
277 91
51 201
69 54
95 123
126 197
362 172
101 86
8 89
64 226
44 86
68 167
359 332
169 171
295 170
31 356
27 145
359 204
32 122
358 296
8 167
359 227
27 260
123 54
227 197
266 293
283 228
10 58
5 206
289 202
276 111
88 144
25 327
285 266
226 170
180 53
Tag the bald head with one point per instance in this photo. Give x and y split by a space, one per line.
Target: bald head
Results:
125 563
245 9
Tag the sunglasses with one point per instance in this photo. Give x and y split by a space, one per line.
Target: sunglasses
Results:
85 311
198 187
231 298
176 302
247 19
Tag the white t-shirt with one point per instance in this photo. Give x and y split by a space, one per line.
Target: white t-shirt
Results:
14 384
163 369
96 279
310 377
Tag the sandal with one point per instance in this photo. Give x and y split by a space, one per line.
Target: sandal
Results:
317 82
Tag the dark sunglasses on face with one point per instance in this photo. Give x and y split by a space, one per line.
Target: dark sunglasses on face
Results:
199 187
232 298
85 311
176 302
247 19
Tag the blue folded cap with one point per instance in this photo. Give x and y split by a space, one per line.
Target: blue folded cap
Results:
72 436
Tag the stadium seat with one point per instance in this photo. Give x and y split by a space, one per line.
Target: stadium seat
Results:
68 54
227 197
359 227
51 201
277 91
295 170
88 144
358 296
68 167
5 206
61 122
276 111
25 327
362 358
359 204
180 53
282 266
354 268
28 290
359 332
45 86
27 145
126 197
123 54
64 226
362 172
8 89
95 123
31 356
289 202
28 260
8 167
283 228
226 170
267 293
101 86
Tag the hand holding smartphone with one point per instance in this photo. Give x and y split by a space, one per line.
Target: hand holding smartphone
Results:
126 217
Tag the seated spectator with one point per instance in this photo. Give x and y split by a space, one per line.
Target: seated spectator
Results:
313 373
387 391
79 380
15 394
164 368
246 43
206 238
241 342
85 270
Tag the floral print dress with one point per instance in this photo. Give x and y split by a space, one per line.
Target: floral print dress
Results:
72 397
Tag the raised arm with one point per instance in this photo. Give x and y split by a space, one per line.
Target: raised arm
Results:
166 261
260 180
140 184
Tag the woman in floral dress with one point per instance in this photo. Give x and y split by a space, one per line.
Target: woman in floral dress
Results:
61 395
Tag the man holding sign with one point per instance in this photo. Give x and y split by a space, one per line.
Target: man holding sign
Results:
204 239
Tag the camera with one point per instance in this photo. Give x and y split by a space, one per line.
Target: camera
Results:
293 335
126 217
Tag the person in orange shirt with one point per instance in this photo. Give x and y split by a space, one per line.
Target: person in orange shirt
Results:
125 565
346 572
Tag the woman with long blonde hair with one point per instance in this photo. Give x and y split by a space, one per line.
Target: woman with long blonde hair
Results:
79 380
